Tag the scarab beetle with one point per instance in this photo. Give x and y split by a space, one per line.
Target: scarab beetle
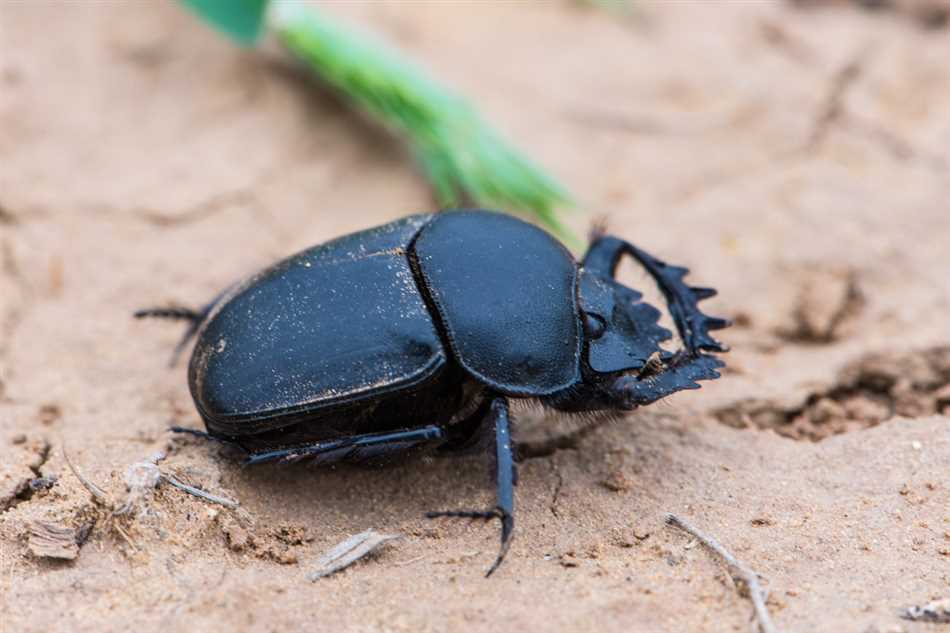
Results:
417 333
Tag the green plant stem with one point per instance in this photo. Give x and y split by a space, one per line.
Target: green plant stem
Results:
466 161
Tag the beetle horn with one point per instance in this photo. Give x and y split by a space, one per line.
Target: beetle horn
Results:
693 325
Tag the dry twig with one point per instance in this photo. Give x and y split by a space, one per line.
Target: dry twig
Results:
937 611
198 492
751 579
141 478
103 499
350 551
98 494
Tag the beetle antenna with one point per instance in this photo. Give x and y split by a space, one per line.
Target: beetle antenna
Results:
174 313
177 313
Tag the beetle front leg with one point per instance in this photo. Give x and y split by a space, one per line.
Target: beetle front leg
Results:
353 448
504 481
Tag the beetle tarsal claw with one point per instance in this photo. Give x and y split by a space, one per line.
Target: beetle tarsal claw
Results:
507 527
507 530
486 515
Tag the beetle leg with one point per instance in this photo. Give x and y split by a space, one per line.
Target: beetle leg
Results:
226 441
356 447
468 436
183 430
173 313
504 481
693 325
194 317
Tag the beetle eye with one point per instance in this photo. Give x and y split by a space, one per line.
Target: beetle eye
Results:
594 325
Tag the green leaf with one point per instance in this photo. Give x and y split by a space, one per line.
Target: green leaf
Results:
242 20
465 160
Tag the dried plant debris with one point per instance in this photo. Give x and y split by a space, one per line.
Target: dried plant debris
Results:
141 480
937 611
741 573
98 494
867 392
350 551
198 492
52 540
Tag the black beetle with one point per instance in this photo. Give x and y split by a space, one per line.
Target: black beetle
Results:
416 333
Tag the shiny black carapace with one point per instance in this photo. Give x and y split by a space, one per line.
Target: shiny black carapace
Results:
417 333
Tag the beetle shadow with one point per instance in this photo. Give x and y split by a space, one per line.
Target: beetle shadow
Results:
343 494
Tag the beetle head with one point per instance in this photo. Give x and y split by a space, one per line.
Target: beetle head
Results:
622 332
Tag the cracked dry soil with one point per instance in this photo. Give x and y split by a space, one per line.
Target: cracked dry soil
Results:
794 155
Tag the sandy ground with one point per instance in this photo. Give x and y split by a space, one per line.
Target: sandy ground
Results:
796 158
